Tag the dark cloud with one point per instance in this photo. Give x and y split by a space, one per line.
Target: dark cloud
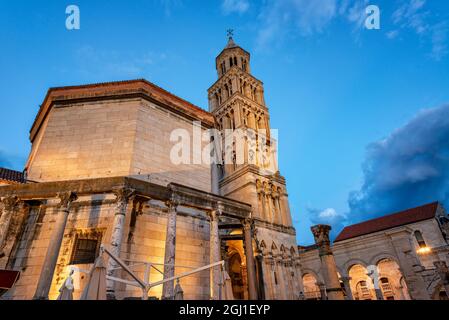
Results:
407 169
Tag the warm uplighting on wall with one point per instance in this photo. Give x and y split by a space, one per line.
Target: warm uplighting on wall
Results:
424 250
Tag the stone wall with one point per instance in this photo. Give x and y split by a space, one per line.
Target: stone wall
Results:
371 249
112 138
144 240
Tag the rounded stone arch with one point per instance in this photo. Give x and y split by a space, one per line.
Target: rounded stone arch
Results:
352 262
316 274
374 261
435 288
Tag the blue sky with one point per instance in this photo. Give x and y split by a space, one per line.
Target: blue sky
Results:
343 97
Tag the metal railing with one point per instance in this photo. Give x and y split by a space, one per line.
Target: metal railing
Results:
145 284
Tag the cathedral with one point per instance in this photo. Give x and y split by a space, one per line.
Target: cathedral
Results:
112 168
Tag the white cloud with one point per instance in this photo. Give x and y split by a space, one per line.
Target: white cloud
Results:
393 34
328 216
111 63
169 5
413 15
235 6
305 16
439 41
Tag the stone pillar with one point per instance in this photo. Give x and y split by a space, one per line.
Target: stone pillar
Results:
260 275
264 206
51 258
214 254
276 292
215 177
279 264
409 265
330 275
323 292
123 196
170 251
268 277
10 205
250 264
286 209
443 272
268 204
298 274
347 284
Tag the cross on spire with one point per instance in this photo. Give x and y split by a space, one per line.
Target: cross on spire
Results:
230 33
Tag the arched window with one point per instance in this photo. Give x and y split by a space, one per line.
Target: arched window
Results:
420 239
387 289
363 292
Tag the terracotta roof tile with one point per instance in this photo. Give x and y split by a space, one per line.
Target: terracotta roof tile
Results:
12 175
390 221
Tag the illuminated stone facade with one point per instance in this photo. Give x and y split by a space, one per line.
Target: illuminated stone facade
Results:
101 172
403 255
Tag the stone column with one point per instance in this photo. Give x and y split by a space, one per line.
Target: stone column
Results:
268 208
323 292
264 206
279 263
409 265
51 258
300 284
250 264
330 275
214 254
443 272
170 251
10 205
347 284
271 264
123 196
215 177
261 276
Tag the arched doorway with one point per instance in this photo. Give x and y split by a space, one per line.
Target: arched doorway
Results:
361 284
391 281
311 288
235 273
440 293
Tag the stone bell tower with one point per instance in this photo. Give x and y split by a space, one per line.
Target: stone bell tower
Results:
248 171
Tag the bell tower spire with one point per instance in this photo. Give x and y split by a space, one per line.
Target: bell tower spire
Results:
237 102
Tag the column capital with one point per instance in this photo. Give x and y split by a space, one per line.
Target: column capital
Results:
172 204
214 214
321 235
123 194
248 224
10 202
66 199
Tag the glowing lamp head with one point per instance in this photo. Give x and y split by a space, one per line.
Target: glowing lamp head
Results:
424 250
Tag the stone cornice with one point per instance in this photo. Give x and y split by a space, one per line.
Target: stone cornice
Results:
118 90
